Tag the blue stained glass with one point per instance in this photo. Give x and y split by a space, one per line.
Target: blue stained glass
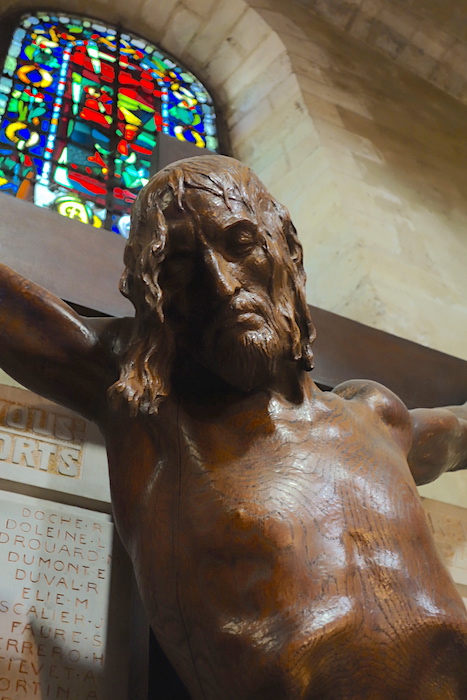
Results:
61 122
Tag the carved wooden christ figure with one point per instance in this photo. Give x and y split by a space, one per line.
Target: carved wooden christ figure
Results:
278 540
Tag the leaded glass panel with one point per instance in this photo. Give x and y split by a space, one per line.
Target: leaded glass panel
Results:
80 108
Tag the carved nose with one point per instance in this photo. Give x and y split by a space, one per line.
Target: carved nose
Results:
221 273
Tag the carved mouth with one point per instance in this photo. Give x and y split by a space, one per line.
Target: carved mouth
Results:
247 317
240 314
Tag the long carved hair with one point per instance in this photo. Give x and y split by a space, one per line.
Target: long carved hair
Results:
146 365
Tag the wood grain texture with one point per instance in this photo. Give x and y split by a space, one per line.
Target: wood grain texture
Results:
302 563
278 541
83 265
76 262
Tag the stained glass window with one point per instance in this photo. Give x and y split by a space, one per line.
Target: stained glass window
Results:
80 108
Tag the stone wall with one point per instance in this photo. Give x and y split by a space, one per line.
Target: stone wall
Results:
382 208
425 36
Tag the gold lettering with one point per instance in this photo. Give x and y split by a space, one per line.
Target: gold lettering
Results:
24 451
6 445
68 461
46 451
17 417
42 422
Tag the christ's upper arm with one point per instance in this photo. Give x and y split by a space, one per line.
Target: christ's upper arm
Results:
52 350
439 442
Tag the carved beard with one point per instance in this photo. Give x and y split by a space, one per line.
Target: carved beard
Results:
245 354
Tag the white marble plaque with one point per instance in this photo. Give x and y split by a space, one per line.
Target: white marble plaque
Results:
57 638
448 525
43 445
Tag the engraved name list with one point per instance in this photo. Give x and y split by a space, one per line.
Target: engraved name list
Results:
54 596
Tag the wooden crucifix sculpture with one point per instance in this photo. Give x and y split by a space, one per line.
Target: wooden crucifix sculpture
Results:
278 540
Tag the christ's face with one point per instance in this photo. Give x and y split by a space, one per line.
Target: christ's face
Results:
216 282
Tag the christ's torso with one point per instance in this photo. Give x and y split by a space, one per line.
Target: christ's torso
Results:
282 553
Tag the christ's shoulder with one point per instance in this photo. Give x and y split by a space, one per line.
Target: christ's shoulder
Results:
381 400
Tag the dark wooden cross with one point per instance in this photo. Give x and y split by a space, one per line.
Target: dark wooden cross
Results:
82 265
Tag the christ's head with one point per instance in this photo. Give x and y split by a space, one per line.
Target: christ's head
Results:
213 268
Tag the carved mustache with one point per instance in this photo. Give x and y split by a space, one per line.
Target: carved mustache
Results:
228 312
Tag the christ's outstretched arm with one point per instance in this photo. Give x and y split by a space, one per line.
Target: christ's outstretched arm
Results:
48 347
439 442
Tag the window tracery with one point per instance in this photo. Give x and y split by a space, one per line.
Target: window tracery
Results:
80 108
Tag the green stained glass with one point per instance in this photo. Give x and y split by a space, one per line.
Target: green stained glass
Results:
80 108
147 139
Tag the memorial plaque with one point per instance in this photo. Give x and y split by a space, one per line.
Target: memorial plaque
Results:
448 525
58 638
45 446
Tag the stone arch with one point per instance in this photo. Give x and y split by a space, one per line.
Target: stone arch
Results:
95 171
235 52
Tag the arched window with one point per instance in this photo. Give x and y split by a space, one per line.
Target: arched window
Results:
80 108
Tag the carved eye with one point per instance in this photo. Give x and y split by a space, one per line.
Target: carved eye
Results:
241 239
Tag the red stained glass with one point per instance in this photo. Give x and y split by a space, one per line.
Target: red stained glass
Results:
82 113
88 182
